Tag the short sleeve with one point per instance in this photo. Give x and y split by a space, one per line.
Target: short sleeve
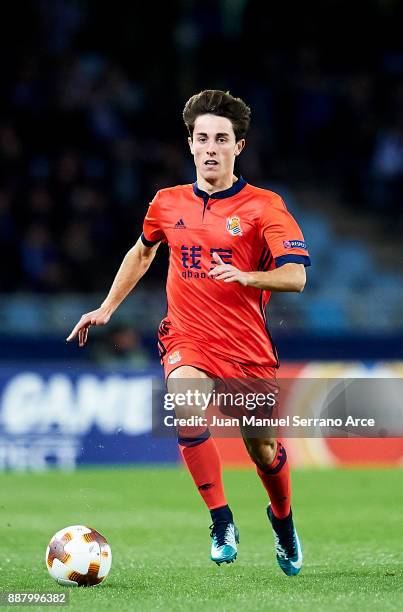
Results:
152 232
283 234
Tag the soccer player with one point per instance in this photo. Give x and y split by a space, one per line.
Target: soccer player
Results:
231 244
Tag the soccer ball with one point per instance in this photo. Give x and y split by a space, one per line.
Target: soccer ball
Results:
78 556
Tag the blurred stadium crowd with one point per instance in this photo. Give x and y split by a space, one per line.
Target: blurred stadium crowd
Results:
90 128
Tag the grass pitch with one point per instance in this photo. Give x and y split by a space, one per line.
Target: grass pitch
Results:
349 521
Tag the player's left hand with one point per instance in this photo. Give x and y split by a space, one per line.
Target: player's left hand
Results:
227 272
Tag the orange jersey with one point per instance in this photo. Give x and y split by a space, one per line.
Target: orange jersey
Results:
249 228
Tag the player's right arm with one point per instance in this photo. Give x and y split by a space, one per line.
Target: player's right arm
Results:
133 267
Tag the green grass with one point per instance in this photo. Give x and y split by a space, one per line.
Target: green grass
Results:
350 523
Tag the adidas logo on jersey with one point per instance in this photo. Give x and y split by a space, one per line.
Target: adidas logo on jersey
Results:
180 224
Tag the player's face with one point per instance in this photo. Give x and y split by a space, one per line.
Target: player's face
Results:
214 149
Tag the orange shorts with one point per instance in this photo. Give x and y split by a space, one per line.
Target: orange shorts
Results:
229 376
177 350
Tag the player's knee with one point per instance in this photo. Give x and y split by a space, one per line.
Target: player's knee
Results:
262 451
189 394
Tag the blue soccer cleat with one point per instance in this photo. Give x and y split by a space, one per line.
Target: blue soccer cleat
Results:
287 544
225 538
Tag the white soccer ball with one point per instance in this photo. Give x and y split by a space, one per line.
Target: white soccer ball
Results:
78 556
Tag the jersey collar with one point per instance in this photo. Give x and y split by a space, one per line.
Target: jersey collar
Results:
220 195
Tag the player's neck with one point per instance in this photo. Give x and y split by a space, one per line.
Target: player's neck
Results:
218 185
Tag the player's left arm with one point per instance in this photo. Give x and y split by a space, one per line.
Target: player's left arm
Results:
289 277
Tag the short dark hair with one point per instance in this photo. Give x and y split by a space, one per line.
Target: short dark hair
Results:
221 103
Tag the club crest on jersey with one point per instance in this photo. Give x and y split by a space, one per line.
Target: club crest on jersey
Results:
174 357
234 226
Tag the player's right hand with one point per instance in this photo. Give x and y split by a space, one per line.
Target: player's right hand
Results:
100 316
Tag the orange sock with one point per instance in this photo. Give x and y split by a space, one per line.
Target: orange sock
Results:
277 482
204 464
